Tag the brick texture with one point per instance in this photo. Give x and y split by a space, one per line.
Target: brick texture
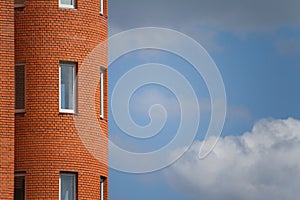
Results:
47 141
6 99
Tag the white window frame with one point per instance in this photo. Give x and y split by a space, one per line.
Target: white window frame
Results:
74 66
101 7
75 183
102 79
22 174
72 6
102 183
23 110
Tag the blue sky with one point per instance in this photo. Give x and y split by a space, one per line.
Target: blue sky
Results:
256 47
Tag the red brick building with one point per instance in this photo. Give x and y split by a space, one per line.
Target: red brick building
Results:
49 53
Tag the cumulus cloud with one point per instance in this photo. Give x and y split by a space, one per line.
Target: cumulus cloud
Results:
262 164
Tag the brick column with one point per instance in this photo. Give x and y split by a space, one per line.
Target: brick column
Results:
6 99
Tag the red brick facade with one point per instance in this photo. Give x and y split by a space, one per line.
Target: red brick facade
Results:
48 142
6 99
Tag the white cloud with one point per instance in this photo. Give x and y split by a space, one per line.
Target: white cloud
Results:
262 164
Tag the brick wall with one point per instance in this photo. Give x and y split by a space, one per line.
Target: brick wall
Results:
6 99
47 141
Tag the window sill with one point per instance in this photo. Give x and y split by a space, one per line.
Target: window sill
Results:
103 119
67 7
65 111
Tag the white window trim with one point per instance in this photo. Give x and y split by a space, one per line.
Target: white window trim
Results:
102 71
61 5
24 109
102 182
67 174
74 66
18 174
101 7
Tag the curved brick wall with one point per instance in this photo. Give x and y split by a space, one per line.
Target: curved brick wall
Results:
46 141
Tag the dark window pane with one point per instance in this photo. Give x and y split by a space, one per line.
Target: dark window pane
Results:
19 87
19 188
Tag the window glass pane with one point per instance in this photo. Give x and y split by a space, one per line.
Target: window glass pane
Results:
19 188
68 183
102 93
66 2
19 87
67 87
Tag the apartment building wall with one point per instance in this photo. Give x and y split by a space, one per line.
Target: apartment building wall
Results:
47 141
6 99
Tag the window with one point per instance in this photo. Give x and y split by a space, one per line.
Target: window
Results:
20 88
102 90
67 3
101 7
102 187
67 186
19 3
19 186
68 79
